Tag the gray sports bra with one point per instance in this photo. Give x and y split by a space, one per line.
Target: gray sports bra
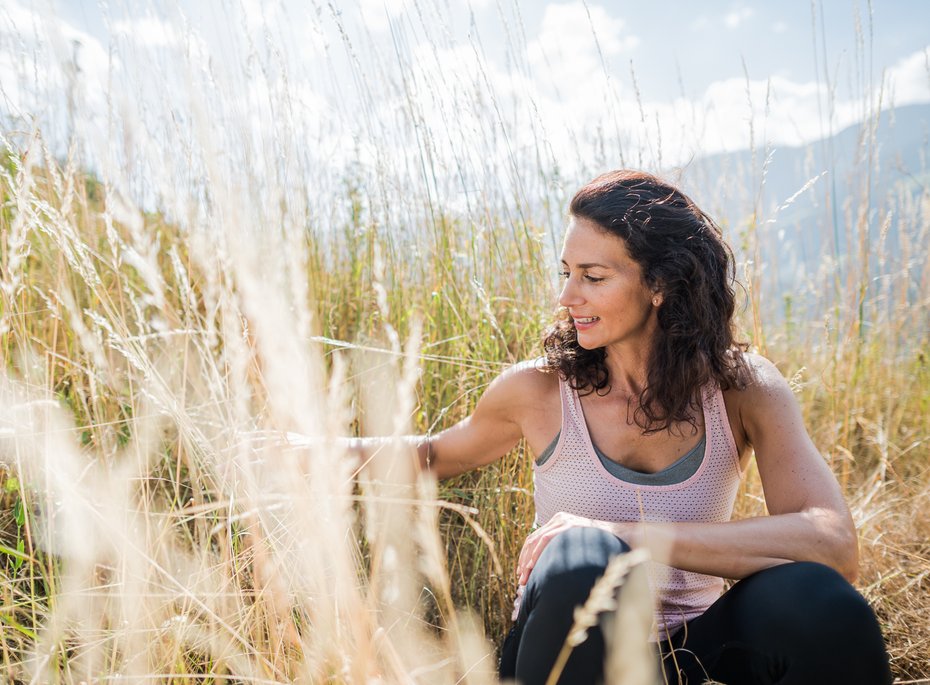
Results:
680 471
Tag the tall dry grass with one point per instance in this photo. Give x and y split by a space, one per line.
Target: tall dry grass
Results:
167 317
160 527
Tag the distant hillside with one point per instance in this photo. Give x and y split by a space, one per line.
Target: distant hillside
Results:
872 175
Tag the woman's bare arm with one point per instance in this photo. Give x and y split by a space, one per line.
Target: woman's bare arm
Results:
492 429
809 519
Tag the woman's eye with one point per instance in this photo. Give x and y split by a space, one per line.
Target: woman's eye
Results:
587 277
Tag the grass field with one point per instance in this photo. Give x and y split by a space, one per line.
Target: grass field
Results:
166 318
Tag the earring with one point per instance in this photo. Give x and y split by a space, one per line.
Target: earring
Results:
655 301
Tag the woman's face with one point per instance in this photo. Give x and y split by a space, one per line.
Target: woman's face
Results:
604 290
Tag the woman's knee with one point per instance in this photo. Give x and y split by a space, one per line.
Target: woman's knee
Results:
801 619
571 563
801 583
832 626
814 600
579 548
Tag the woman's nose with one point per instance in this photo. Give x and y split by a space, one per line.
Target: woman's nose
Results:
569 295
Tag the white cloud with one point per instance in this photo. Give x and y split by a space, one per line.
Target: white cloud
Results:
909 78
782 111
148 31
566 48
377 14
732 20
42 59
570 26
258 13
737 16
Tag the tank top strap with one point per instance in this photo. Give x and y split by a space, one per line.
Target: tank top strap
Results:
574 425
717 426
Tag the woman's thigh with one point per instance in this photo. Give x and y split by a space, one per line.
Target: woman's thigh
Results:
792 624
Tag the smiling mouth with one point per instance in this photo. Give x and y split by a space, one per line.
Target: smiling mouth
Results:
585 319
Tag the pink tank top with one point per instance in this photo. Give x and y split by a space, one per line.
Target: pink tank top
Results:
574 480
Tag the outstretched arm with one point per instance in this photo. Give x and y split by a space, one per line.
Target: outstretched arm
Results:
492 429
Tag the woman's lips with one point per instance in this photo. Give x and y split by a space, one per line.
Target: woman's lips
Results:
583 323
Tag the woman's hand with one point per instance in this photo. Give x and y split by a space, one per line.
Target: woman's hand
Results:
539 538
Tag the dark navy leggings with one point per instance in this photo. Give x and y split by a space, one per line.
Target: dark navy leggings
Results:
794 624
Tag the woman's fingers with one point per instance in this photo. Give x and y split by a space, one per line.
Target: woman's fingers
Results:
526 554
533 547
537 540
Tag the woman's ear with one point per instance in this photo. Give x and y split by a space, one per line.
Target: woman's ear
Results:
657 297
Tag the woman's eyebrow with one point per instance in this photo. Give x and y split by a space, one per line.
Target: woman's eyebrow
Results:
590 265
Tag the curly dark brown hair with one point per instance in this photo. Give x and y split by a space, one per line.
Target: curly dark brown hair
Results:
683 256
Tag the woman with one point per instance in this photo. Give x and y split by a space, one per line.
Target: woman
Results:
644 413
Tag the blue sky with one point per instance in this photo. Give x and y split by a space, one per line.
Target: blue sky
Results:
486 82
706 41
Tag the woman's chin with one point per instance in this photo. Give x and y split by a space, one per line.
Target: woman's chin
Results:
587 344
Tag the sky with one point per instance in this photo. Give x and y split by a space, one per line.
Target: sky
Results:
470 88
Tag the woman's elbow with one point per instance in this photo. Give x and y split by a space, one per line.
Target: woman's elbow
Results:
845 552
837 542
850 568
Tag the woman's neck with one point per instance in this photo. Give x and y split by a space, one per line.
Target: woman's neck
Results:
627 368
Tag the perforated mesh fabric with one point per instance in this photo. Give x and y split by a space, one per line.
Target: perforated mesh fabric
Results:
574 480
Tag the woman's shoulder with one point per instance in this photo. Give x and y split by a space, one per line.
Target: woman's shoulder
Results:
759 381
532 376
761 375
765 392
521 390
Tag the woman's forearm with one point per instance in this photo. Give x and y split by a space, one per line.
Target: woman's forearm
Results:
366 451
429 456
736 549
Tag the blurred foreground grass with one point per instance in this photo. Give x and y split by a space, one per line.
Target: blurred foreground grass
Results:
150 530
